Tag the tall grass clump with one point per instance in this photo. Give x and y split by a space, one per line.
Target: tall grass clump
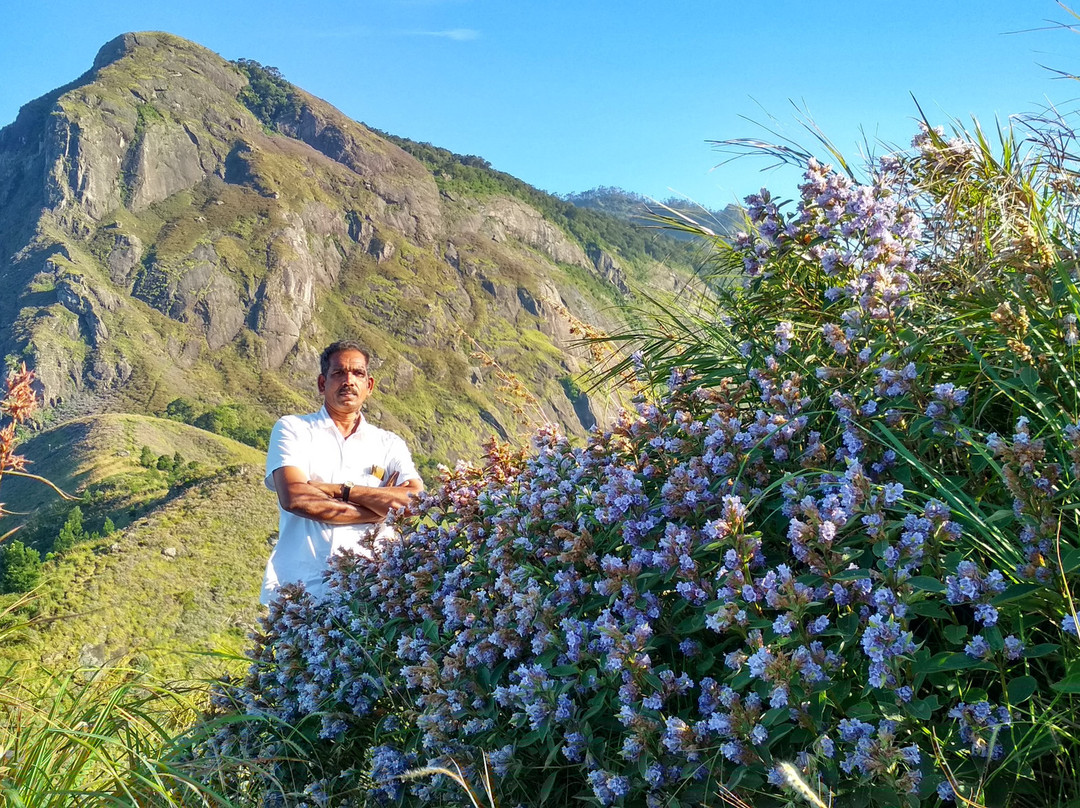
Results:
95 738
833 553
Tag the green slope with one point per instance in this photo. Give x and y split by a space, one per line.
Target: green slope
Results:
97 449
180 577
179 582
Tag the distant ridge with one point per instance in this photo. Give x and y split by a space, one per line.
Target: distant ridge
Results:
642 211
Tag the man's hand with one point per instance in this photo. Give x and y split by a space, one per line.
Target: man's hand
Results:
386 497
319 501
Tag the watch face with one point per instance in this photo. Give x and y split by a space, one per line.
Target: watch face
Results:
348 485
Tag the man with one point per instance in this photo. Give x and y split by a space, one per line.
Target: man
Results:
336 475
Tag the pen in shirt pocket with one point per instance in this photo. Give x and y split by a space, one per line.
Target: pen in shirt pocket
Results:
380 474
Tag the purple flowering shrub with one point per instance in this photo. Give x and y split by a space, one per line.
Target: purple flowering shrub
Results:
839 534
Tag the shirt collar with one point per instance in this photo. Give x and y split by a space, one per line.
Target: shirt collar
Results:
324 421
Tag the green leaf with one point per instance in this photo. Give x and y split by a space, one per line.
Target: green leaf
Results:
992 635
929 608
839 691
691 624
1070 684
851 575
705 662
882 795
596 704
955 634
862 709
860 798
1030 377
947 661
1016 592
920 709
1070 560
1021 689
1040 650
545 790
775 715
848 625
927 584
564 670
953 559
532 737
736 777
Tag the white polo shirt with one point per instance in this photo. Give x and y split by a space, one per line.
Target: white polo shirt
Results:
314 444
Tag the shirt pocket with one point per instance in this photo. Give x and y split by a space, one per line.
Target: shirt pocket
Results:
361 474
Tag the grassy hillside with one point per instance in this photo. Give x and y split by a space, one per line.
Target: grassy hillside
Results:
104 450
181 581
181 576
633 241
637 209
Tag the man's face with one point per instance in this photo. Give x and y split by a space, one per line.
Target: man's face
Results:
346 384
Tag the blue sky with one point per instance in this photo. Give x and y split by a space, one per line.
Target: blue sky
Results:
571 95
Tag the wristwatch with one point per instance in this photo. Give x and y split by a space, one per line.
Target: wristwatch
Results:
346 489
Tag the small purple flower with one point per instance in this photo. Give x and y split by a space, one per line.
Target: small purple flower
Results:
978 648
981 724
818 624
1014 648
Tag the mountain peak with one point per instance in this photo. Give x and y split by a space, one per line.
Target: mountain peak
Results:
116 49
121 46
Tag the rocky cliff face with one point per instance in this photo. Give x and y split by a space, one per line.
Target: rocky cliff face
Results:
159 241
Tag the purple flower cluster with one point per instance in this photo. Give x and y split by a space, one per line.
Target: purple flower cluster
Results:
943 408
968 585
608 788
983 726
1038 486
729 575
872 751
980 648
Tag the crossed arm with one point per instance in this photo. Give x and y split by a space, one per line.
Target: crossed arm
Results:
321 501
